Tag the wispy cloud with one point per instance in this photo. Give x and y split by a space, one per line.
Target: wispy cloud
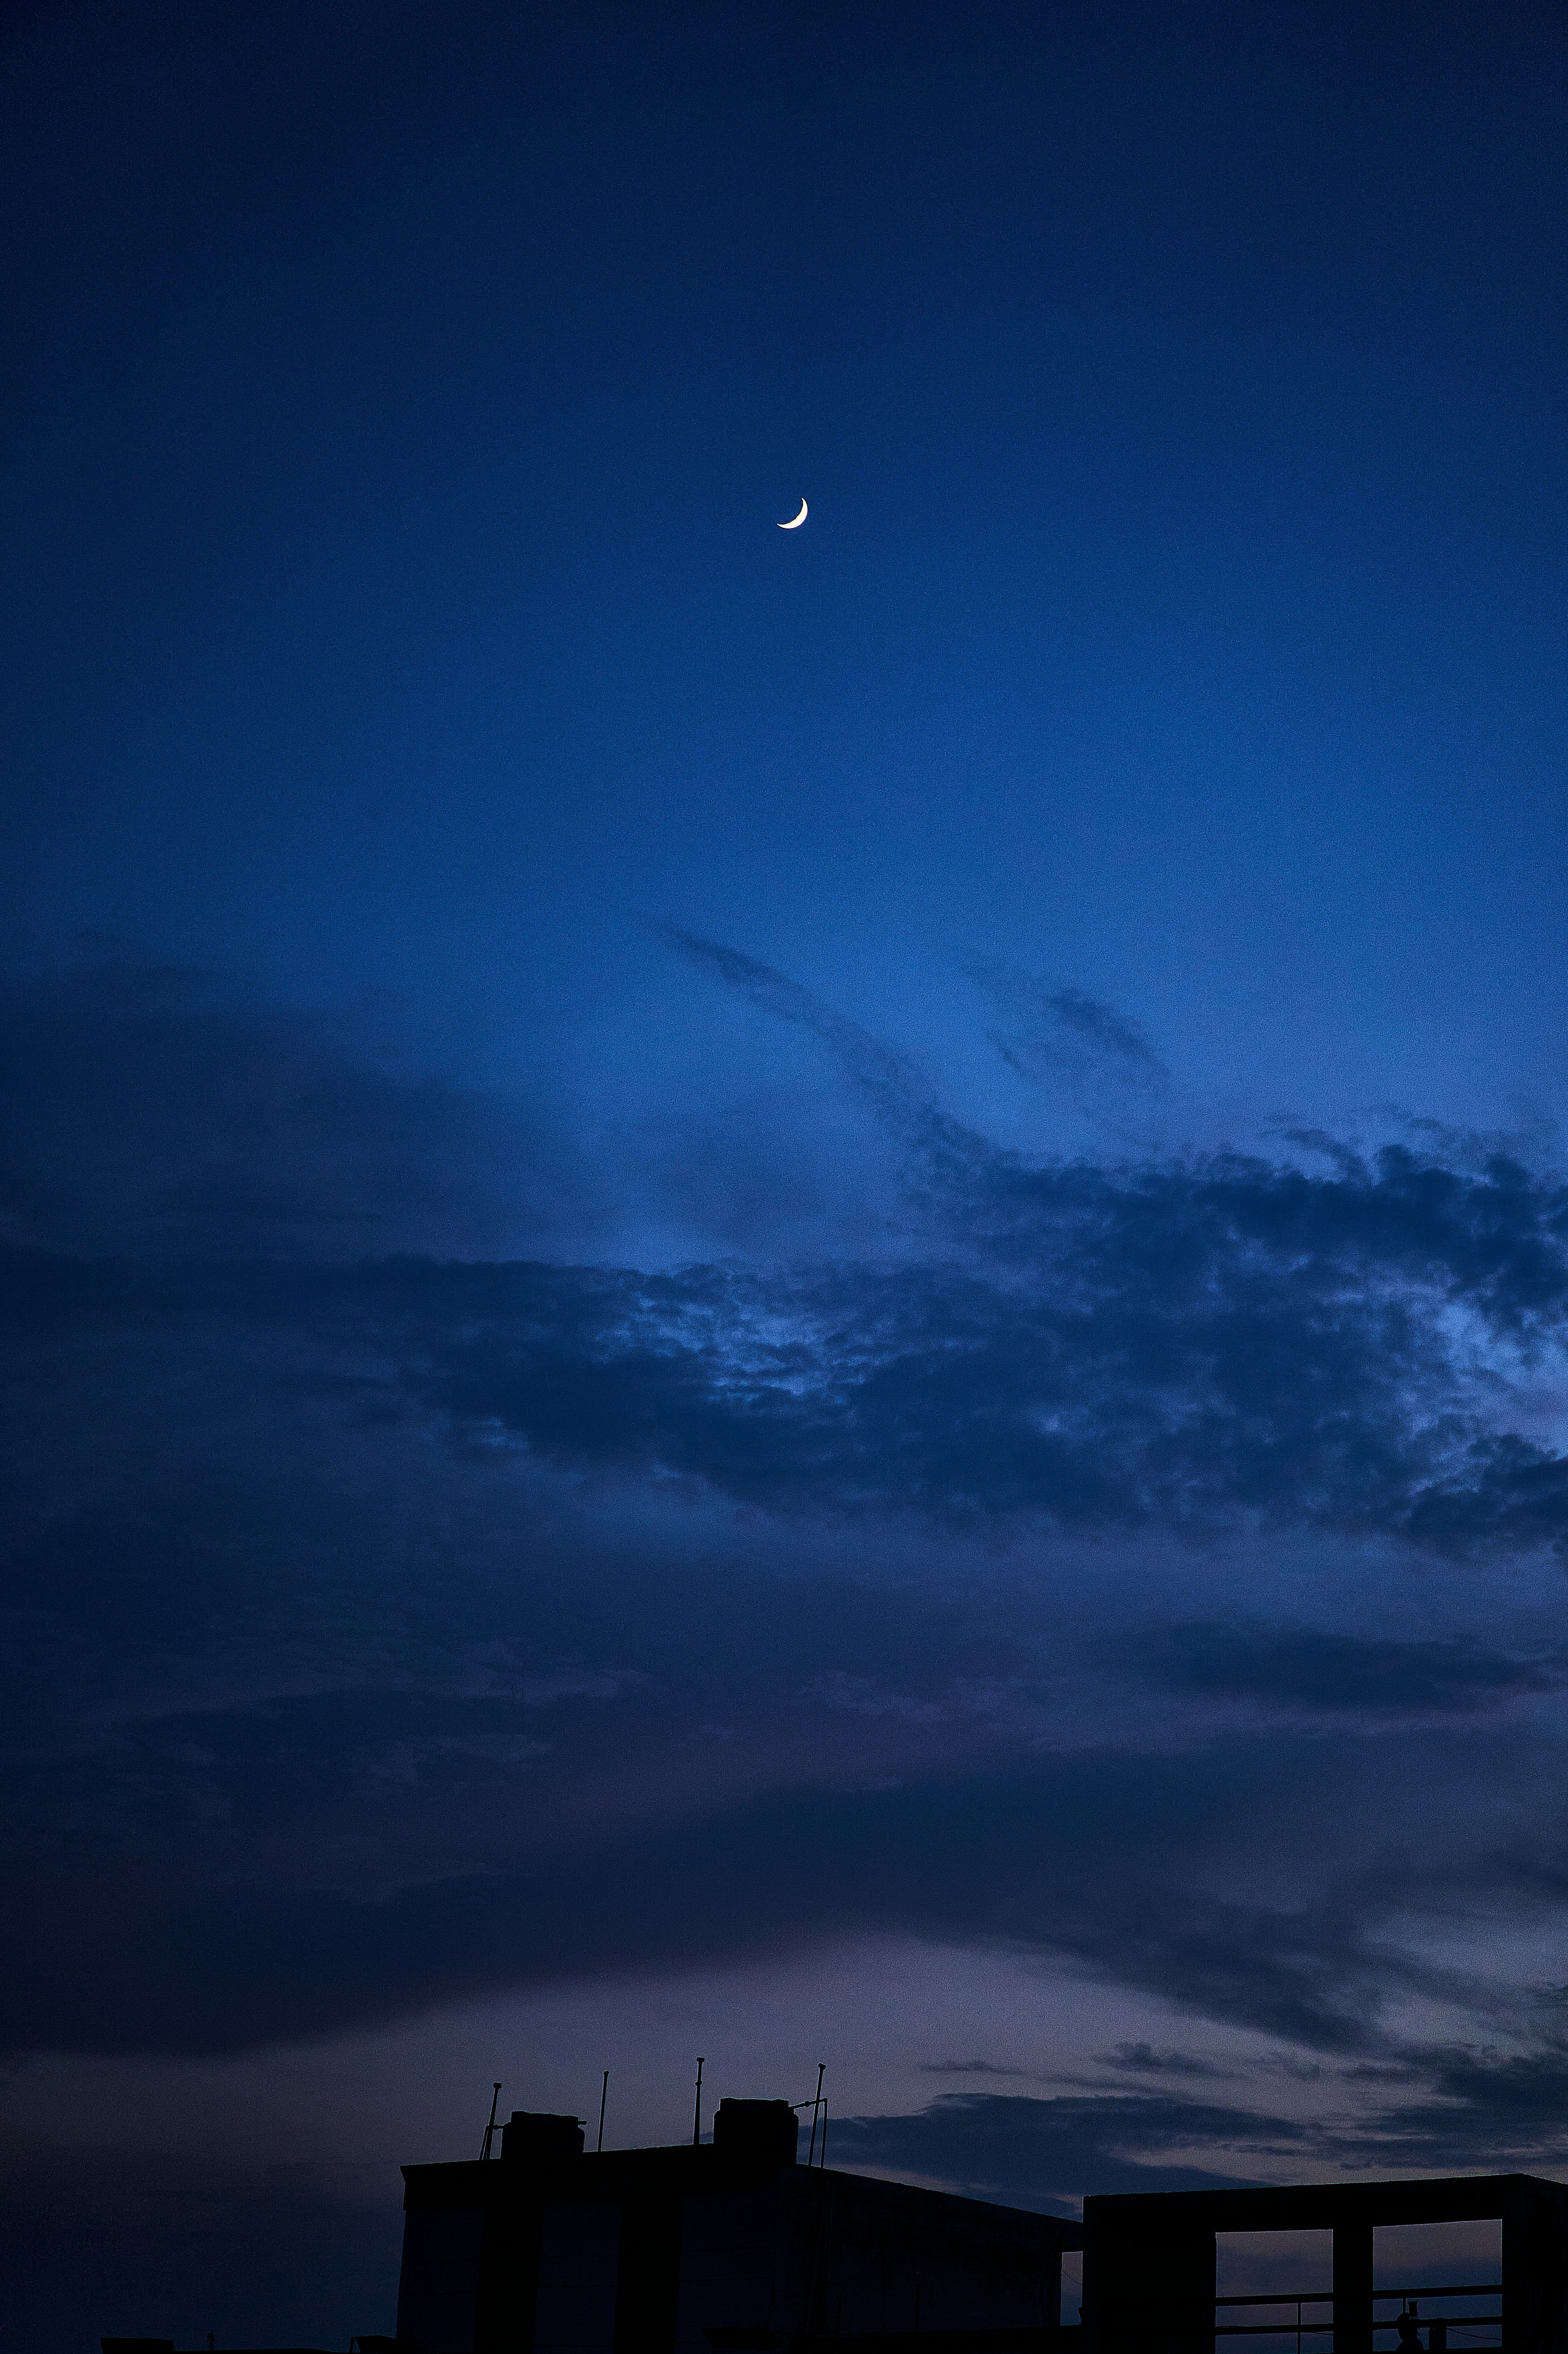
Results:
1066 1040
969 2068
890 1081
1143 2060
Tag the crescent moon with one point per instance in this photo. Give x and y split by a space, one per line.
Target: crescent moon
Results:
796 521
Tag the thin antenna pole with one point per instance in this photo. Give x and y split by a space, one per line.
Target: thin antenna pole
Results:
489 2128
824 2160
603 2097
816 2104
697 2114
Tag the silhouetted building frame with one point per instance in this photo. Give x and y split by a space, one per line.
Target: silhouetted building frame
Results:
1150 2256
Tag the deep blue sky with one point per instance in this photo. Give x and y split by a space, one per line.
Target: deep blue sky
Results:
401 410
792 1294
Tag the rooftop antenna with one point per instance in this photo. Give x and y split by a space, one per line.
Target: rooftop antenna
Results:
489 2128
698 2117
816 2104
603 2097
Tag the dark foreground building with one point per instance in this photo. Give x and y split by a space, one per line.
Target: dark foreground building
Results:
729 2248
734 2248
1150 2269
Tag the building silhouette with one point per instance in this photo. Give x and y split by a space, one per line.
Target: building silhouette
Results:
1150 2269
731 2247
734 2247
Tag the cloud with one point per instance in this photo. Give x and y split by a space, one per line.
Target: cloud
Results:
1142 2060
1049 2153
1070 1040
1158 1360
149 1110
868 1696
1481 2110
967 2068
1485 2106
364 1583
219 1942
1181 1345
890 1081
1307 1667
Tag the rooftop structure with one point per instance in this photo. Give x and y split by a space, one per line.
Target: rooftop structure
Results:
731 2247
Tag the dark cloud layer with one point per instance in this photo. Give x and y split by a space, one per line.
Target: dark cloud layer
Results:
1181 1345
1307 1667
1047 2152
1475 2109
1002 1858
331 1691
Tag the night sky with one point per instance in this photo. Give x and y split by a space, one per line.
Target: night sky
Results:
795 1295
